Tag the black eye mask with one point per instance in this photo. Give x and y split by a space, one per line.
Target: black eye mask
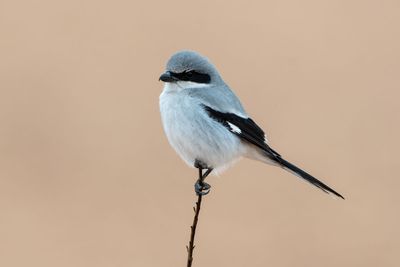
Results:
192 76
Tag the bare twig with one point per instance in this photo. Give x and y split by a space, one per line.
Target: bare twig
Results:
196 209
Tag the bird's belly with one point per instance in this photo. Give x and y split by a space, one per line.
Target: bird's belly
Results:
195 136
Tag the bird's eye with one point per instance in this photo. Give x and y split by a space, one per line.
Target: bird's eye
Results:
189 73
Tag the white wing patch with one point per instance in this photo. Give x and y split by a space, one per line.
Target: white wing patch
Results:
234 128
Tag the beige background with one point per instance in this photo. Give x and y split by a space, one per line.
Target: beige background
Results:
87 177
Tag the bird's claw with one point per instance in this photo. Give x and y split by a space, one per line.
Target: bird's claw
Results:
201 189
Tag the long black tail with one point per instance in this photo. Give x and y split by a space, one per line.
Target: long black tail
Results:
309 178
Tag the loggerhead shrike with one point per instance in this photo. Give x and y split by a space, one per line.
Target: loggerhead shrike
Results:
206 124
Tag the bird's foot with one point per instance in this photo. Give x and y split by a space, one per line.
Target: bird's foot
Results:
201 188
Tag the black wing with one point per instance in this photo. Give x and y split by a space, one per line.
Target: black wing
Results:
245 128
248 130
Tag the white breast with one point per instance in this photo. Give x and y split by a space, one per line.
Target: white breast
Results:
193 134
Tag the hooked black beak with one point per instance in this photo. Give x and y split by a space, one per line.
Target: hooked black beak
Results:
167 77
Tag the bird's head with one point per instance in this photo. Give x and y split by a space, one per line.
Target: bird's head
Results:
190 69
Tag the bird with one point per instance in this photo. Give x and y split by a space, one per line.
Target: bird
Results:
207 126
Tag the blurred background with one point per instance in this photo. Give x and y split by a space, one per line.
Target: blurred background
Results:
87 177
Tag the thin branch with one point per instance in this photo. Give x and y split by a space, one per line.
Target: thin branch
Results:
196 209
